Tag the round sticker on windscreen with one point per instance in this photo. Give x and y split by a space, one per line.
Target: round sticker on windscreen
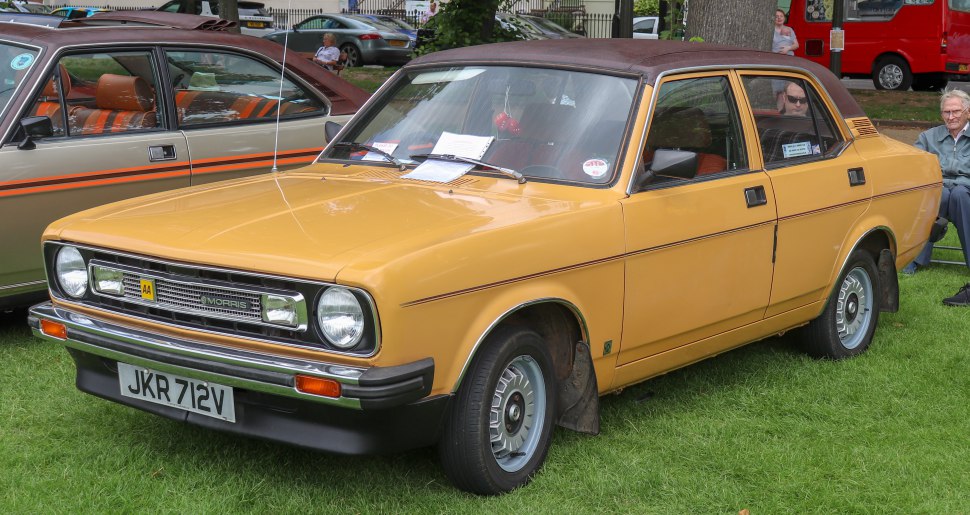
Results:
596 167
21 61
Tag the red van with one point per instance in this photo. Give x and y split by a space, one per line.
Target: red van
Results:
899 43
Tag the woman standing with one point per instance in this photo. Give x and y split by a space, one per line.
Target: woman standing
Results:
784 41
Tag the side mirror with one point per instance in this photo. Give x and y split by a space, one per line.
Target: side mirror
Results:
331 129
679 164
34 127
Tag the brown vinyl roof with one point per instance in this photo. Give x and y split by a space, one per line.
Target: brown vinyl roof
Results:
647 58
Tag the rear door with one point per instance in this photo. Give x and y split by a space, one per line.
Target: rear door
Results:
818 178
227 104
110 142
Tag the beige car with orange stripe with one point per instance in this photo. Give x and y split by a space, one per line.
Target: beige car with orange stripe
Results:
491 244
93 112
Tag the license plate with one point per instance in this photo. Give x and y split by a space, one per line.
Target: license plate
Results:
255 24
202 397
394 42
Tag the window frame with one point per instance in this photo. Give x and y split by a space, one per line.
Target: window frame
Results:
825 107
735 99
293 77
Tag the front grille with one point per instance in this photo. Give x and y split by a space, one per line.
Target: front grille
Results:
186 297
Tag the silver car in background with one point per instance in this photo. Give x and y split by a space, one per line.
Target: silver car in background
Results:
365 41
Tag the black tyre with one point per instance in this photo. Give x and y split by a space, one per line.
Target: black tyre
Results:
846 325
893 73
498 430
353 55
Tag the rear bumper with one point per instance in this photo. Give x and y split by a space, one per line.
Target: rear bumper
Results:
381 409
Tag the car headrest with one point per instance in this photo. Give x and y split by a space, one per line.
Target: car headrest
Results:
679 127
50 90
124 93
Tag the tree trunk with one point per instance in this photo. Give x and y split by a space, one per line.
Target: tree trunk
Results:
743 23
229 10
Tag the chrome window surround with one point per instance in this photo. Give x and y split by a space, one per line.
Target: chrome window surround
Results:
369 301
744 104
224 289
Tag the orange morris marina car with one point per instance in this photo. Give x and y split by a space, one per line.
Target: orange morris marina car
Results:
124 104
491 244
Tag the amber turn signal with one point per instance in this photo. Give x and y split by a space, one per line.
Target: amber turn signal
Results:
53 329
318 386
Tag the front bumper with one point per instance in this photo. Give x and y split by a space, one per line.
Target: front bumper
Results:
381 409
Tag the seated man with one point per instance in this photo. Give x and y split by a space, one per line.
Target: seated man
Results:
794 101
951 144
329 56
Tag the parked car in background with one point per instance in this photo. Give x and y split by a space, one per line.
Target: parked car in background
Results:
254 20
93 111
506 233
522 26
646 27
546 28
24 7
402 26
72 13
365 41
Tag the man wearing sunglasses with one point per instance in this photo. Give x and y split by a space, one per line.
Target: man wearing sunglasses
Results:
794 101
951 144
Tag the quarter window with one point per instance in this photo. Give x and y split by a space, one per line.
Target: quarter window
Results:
793 123
211 87
698 115
102 93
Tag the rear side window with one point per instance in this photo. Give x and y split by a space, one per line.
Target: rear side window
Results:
793 123
213 87
101 94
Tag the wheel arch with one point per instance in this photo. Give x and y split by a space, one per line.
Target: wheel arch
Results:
892 53
563 328
880 242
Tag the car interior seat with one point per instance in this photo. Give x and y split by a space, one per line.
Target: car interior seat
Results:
123 103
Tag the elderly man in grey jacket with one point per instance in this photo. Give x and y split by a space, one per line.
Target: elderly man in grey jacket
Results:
951 144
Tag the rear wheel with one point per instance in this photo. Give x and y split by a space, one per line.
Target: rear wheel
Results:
353 55
498 430
893 73
846 325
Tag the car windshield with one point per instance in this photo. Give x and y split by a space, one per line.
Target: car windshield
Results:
15 63
544 123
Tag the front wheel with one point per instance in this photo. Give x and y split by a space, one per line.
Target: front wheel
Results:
848 322
498 430
892 73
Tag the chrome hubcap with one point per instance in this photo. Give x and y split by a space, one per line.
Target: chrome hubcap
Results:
517 413
853 312
891 76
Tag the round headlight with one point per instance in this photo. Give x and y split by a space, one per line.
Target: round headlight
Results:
71 272
341 317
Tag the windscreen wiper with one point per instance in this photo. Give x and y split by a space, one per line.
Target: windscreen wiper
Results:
353 145
461 159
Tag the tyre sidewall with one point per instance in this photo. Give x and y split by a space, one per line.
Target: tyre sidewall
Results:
821 339
502 348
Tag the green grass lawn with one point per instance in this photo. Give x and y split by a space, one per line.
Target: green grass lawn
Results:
762 427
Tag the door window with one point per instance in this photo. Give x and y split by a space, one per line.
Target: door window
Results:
101 93
698 115
213 87
793 123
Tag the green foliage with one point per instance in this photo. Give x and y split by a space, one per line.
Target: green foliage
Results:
459 22
646 7
674 22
